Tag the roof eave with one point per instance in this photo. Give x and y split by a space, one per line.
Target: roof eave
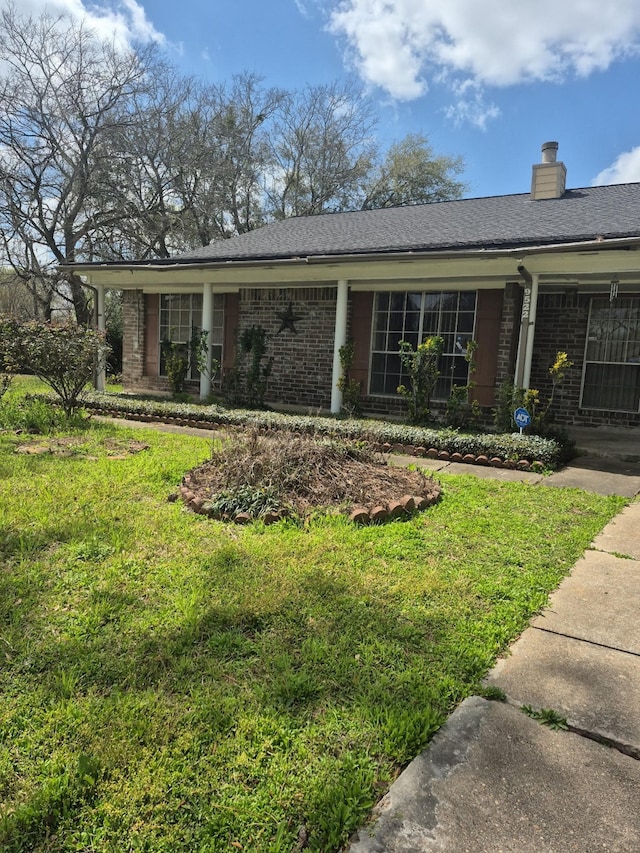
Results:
519 250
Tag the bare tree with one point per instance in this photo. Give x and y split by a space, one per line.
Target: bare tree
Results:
223 192
108 153
323 149
62 91
190 169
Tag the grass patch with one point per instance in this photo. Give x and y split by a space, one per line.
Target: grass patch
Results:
170 683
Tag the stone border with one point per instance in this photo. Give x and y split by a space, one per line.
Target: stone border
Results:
404 507
467 458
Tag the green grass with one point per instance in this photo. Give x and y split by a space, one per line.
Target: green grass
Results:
169 683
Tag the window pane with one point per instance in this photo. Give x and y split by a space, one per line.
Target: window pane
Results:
432 302
414 302
467 300
378 362
379 340
393 344
382 300
610 386
412 321
465 322
396 321
440 314
397 301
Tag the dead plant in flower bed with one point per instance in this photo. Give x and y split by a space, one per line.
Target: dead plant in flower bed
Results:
294 474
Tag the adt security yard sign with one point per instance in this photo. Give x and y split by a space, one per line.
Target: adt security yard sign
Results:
522 418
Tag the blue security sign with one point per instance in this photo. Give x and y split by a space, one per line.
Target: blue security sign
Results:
522 418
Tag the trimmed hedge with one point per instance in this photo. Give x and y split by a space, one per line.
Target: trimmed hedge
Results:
510 447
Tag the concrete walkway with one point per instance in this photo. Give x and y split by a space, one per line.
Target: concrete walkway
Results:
495 779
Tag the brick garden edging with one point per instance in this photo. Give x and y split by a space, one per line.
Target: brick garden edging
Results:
467 458
402 508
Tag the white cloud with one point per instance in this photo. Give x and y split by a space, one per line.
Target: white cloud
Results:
624 170
470 106
302 8
123 21
400 45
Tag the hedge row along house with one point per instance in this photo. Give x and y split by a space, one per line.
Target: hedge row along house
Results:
523 275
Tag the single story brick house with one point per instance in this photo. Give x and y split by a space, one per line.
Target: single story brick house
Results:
523 275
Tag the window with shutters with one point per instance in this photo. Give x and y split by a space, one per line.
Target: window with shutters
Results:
413 317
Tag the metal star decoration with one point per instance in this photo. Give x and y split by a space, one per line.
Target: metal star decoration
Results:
288 319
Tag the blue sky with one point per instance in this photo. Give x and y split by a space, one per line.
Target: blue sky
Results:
490 80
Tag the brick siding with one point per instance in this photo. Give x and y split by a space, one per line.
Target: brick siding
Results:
561 325
132 337
302 361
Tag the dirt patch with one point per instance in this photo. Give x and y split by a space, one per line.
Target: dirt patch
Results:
255 473
77 446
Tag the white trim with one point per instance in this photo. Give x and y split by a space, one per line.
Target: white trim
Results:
207 325
339 340
101 372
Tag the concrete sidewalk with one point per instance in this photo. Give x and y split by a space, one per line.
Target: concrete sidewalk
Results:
494 779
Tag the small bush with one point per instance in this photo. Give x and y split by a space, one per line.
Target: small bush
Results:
246 383
351 389
421 366
64 356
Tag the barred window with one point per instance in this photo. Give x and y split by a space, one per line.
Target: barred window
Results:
612 355
413 317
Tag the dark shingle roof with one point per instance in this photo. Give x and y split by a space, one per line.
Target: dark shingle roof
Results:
489 223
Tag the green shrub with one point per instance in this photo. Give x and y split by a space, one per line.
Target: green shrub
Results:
246 383
176 365
421 365
351 389
64 356
36 415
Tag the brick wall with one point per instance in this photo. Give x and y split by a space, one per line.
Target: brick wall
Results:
136 357
132 338
561 325
509 331
302 362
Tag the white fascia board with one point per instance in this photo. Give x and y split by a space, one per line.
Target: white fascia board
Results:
160 279
477 268
591 263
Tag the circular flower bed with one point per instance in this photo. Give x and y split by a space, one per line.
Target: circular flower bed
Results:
285 474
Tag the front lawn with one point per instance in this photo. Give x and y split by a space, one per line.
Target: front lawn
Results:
172 684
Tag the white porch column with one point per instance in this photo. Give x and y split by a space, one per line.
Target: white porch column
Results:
339 340
101 372
207 320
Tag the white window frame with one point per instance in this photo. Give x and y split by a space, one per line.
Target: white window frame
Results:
216 334
448 355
